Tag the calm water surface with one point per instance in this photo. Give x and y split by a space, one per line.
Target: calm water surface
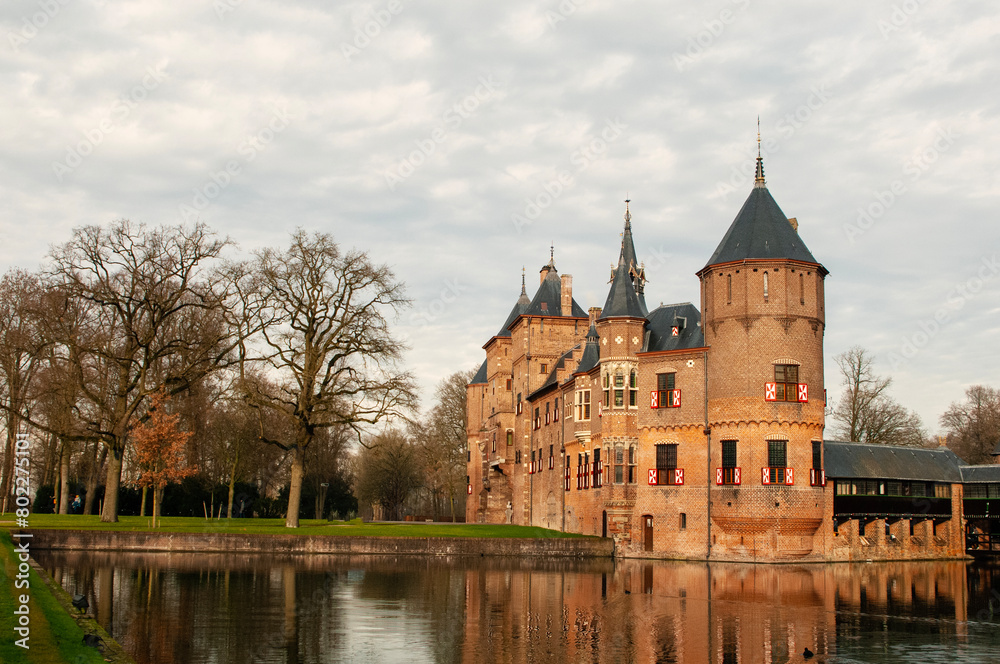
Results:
226 609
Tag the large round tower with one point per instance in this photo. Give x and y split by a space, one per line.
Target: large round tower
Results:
763 319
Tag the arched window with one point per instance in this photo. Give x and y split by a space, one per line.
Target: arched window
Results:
631 464
619 464
765 286
632 389
619 390
729 283
802 288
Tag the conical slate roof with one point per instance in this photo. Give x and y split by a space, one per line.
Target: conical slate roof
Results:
591 352
627 281
760 230
519 308
480 377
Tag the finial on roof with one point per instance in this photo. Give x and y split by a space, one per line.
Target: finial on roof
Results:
628 215
759 178
523 291
552 251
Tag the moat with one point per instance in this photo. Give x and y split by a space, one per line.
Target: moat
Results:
229 609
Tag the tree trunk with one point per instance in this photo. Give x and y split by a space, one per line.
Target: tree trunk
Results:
112 481
142 507
156 504
232 486
93 478
64 478
295 487
8 464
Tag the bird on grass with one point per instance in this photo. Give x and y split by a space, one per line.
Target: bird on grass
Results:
80 602
806 654
92 640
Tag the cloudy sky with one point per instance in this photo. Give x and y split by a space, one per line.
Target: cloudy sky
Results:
455 141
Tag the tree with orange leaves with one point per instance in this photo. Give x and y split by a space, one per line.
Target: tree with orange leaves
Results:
159 450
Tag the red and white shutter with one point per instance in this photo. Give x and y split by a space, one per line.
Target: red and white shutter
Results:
470 489
677 398
600 409
736 475
652 477
770 391
803 392
675 331
789 476
718 476
654 399
765 475
678 476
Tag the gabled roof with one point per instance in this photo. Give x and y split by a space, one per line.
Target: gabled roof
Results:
866 461
659 330
761 230
973 474
480 377
548 299
591 352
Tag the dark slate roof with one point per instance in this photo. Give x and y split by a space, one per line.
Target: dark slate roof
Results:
760 230
866 461
659 330
591 352
622 298
553 375
549 293
973 474
480 377
519 308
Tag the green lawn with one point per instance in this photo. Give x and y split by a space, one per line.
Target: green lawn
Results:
176 524
54 635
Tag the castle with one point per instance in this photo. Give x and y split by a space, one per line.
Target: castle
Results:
687 432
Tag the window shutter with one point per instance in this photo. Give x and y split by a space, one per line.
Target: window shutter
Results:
654 399
765 475
718 476
678 476
677 398
789 476
803 392
770 391
470 489
736 476
652 476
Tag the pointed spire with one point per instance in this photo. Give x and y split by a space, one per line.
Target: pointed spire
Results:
524 293
628 215
759 177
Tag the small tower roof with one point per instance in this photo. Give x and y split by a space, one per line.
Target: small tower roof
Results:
761 230
519 308
591 352
548 297
625 296
480 377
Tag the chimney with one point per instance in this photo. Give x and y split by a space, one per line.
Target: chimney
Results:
544 272
566 294
595 313
795 223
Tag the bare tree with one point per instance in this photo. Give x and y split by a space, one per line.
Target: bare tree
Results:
442 440
388 471
155 323
973 426
325 339
21 346
866 413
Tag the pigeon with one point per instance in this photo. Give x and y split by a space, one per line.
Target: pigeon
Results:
807 653
92 640
80 602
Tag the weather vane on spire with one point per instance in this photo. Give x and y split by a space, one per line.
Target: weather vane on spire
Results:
628 215
759 179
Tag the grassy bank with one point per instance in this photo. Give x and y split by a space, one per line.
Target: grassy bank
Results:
54 637
176 524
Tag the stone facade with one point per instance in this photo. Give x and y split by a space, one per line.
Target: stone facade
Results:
679 433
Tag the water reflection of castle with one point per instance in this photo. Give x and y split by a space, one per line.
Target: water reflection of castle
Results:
686 612
699 434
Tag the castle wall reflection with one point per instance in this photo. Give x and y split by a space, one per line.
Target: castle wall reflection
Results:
215 608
